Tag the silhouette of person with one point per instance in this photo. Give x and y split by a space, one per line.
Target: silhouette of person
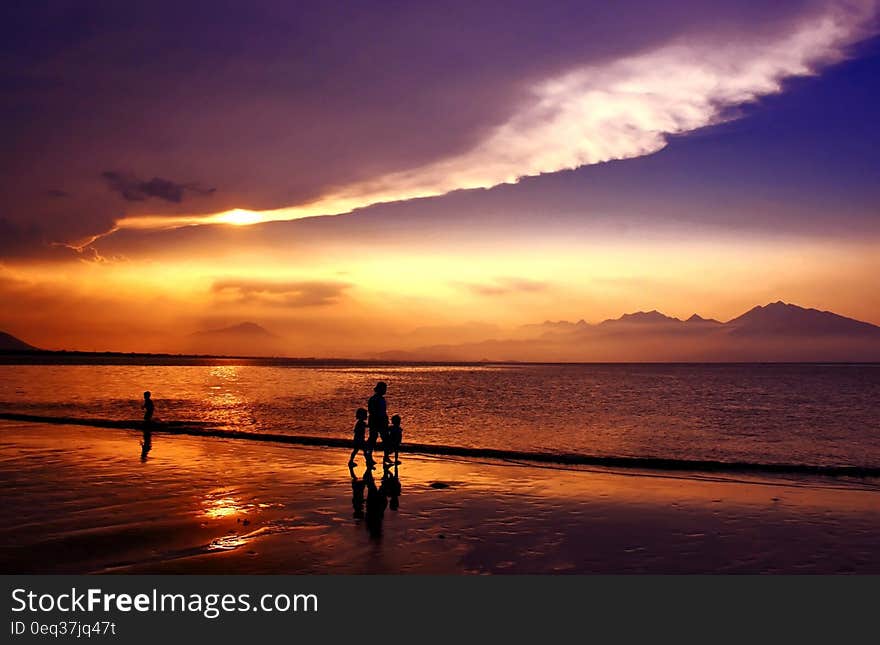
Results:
148 408
378 421
357 493
146 444
360 431
394 437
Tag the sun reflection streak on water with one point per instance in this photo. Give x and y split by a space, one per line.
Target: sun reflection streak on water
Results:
227 404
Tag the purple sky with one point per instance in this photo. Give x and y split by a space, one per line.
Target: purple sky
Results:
637 128
112 109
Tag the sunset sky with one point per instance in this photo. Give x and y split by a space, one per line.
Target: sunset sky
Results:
357 177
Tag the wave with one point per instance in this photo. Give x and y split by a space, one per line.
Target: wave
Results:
204 429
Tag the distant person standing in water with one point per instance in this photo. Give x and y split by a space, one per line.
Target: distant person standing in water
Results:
378 422
148 408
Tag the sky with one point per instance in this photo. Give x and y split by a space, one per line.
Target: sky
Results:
359 177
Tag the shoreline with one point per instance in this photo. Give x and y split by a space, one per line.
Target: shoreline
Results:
83 357
84 502
197 429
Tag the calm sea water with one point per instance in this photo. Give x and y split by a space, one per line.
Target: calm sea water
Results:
805 414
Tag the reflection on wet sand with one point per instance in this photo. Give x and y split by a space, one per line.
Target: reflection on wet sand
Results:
378 497
146 444
219 504
205 505
357 493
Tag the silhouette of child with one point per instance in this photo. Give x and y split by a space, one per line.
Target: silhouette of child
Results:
360 433
395 437
148 408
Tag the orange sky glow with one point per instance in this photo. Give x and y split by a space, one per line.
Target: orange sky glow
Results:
339 300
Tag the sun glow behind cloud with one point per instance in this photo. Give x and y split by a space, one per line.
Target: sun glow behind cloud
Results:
355 303
620 109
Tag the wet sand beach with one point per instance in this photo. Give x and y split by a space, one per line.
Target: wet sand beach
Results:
82 500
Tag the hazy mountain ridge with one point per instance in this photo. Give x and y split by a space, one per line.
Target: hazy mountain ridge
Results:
774 332
246 339
245 329
768 333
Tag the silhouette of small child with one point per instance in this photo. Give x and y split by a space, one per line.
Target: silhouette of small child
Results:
395 437
148 408
360 433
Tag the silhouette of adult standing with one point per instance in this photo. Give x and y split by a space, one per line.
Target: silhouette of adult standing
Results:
378 417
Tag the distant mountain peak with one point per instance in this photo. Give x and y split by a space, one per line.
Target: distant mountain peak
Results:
563 323
784 318
249 328
697 318
9 343
652 316
241 329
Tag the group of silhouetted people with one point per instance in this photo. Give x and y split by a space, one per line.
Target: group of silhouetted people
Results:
375 419
371 425
368 499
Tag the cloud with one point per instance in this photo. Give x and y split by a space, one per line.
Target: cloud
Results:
323 108
136 190
618 108
504 286
29 241
282 294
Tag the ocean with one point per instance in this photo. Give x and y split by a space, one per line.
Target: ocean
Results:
802 414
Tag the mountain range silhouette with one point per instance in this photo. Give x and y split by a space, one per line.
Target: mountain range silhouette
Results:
246 338
242 329
774 332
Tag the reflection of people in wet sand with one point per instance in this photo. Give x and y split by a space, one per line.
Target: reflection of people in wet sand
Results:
146 444
378 421
360 431
377 500
357 493
148 408
378 497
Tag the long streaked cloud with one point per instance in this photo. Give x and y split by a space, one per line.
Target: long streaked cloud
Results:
504 286
310 293
620 109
